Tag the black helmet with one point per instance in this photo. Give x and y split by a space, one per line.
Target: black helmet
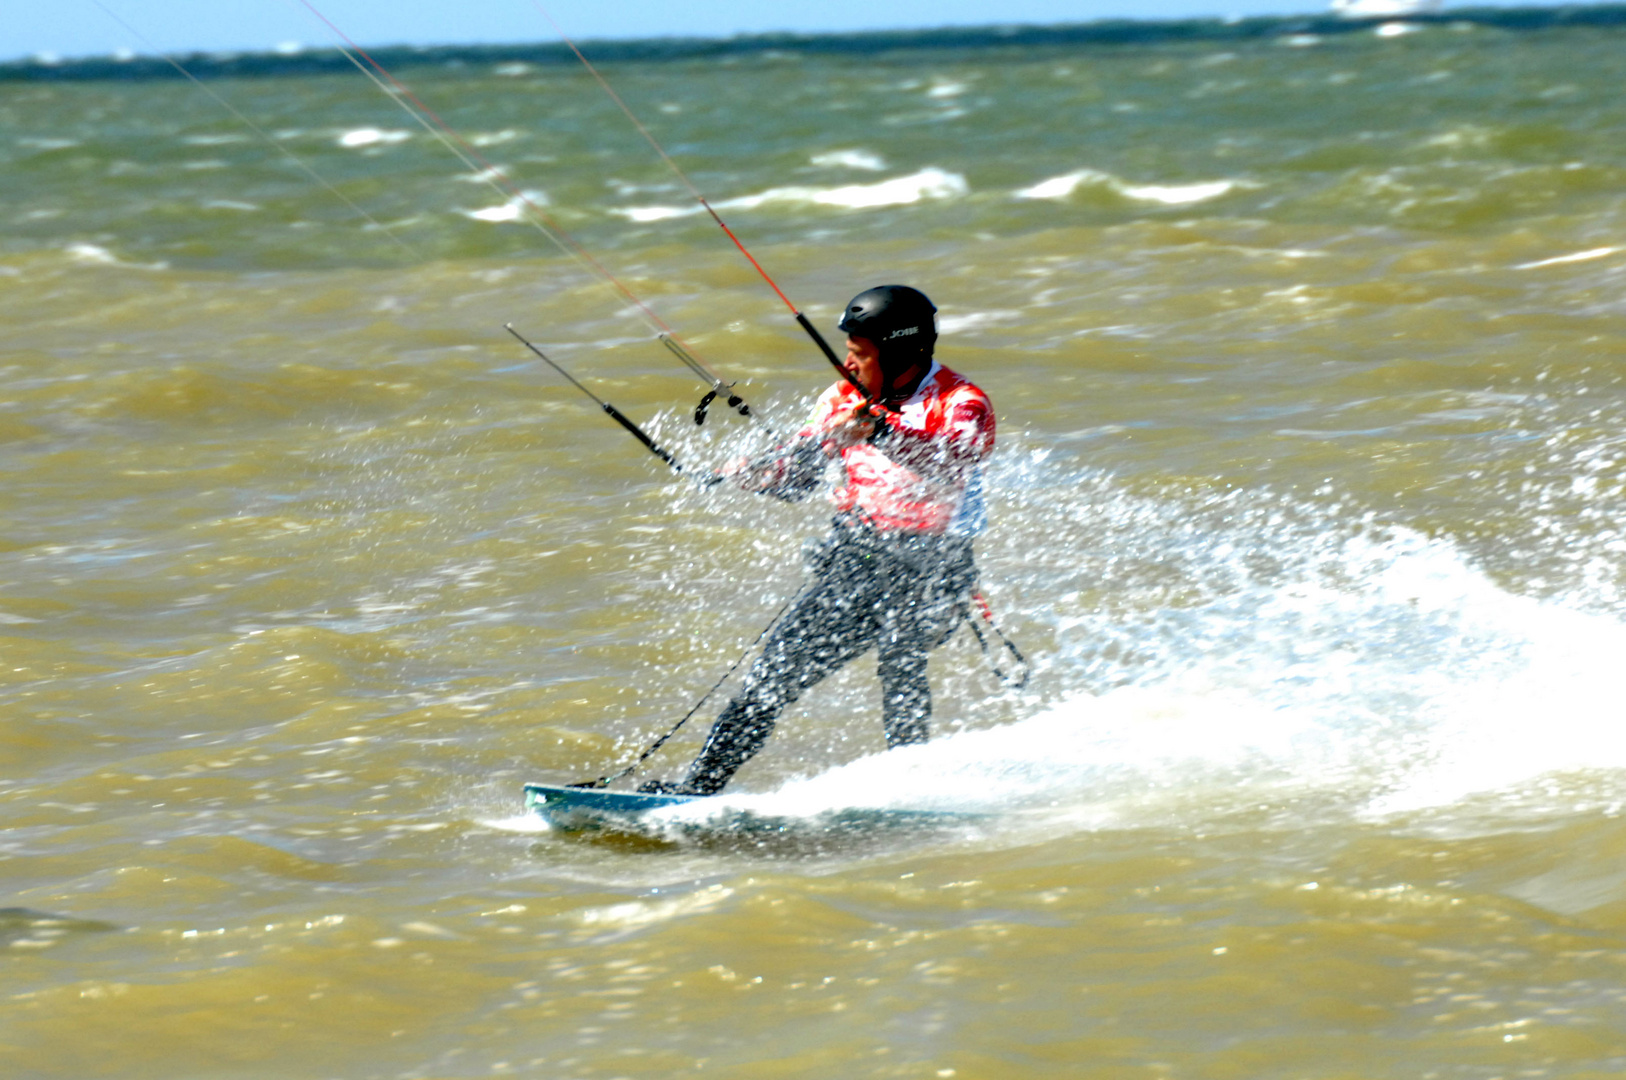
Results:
897 318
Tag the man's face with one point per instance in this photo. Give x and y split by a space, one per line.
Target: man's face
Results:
864 361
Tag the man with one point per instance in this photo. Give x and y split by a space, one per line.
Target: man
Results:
896 570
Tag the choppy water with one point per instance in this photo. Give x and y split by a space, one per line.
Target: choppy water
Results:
1307 354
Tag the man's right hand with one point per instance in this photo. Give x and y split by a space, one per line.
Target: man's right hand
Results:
852 426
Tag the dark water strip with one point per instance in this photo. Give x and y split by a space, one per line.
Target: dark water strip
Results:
1102 32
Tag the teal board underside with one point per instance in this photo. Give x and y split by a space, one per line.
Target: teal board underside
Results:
570 809
574 807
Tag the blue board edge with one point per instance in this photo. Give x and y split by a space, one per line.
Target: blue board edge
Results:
555 801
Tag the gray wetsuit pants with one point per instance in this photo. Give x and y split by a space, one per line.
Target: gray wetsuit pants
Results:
902 593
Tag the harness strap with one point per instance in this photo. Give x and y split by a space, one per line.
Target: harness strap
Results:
1016 679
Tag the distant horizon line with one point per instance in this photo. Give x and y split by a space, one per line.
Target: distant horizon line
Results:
1109 31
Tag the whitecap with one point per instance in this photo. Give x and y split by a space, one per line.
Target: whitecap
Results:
642 214
1059 187
950 324
1575 257
512 210
1181 194
506 212
493 138
360 137
1062 187
928 183
484 176
93 253
96 255
1378 9
46 143
850 159
1465 135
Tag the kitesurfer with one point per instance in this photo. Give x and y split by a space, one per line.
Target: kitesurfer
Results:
896 571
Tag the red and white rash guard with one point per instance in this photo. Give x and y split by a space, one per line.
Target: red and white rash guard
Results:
921 473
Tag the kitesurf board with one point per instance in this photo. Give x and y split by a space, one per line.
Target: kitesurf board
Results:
573 808
576 809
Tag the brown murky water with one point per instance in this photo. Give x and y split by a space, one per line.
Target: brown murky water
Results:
1307 357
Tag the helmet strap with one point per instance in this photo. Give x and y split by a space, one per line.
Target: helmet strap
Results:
899 364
